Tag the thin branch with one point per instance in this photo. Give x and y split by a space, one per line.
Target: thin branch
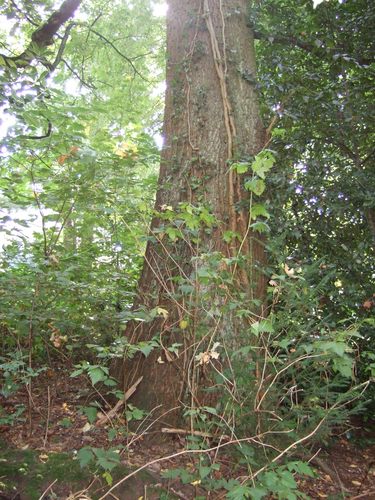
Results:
23 14
127 59
60 52
83 82
37 137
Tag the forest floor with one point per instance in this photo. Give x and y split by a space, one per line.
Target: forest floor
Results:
38 454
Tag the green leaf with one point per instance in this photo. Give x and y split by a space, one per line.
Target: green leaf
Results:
108 478
338 348
173 233
107 459
256 185
91 413
228 236
85 456
257 493
239 492
138 414
240 167
110 382
263 326
204 471
344 366
146 348
97 374
259 210
260 227
112 433
210 409
263 163
171 473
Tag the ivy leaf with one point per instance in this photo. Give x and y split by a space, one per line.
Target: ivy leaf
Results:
256 186
260 227
263 163
228 236
173 233
259 210
241 167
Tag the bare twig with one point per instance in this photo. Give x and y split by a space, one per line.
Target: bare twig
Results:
109 415
47 490
44 136
121 54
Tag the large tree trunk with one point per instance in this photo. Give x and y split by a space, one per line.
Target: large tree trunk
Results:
211 119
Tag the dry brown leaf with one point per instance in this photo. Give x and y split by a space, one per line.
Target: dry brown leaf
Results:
61 159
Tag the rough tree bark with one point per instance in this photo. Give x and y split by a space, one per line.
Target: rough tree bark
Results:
211 119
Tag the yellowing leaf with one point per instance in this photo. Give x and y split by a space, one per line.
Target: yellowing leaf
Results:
162 312
86 427
166 207
183 324
289 272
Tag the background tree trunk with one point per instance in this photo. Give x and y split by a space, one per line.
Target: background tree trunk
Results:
211 118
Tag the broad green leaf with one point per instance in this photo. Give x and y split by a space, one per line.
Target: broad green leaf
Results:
263 163
258 209
204 471
263 326
97 374
240 167
91 413
85 456
344 366
239 493
260 227
256 185
257 493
